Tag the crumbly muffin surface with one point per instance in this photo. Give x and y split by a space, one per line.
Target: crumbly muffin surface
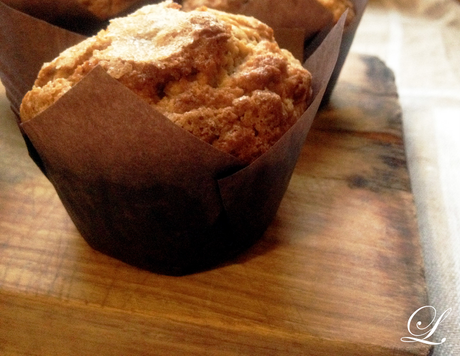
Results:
222 77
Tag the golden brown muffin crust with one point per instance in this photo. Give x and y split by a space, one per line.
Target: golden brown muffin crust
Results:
222 77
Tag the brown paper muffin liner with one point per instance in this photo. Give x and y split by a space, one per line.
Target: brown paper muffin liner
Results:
138 187
347 40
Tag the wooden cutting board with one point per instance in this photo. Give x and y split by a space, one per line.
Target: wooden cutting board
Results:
339 271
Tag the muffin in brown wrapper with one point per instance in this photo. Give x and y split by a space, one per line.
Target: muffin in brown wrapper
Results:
347 40
68 14
138 187
78 15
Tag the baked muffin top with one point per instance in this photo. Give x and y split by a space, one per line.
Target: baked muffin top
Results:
220 76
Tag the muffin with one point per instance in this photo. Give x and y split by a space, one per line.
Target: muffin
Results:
138 187
336 7
52 9
105 9
222 77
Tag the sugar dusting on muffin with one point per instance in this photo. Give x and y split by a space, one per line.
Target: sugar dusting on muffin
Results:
220 76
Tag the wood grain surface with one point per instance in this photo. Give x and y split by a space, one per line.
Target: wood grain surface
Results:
339 271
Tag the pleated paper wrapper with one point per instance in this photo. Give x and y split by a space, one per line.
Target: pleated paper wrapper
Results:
138 187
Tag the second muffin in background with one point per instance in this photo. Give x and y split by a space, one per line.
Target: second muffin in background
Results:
336 7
